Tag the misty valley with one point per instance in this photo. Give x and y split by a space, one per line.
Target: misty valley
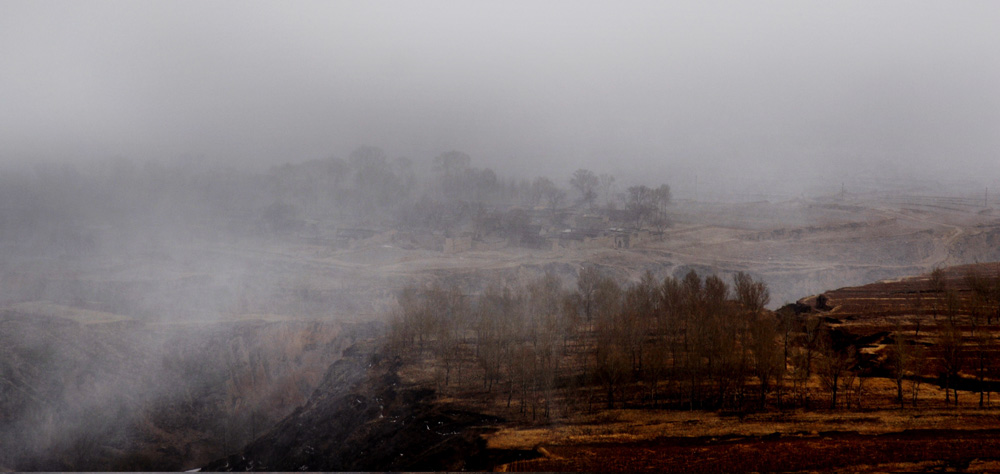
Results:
380 314
510 236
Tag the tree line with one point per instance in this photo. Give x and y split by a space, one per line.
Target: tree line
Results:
691 342
687 343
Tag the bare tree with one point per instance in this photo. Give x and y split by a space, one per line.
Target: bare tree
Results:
836 367
937 280
544 189
586 289
986 293
918 358
611 368
449 326
949 356
786 319
497 322
767 358
900 361
638 311
984 345
416 321
586 183
611 358
555 197
661 199
451 163
549 323
640 204
751 295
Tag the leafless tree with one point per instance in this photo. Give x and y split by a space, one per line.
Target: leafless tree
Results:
586 183
450 321
544 189
640 203
985 345
498 317
900 361
949 356
767 357
986 293
937 280
549 324
451 163
611 356
836 367
918 358
586 289
751 295
661 199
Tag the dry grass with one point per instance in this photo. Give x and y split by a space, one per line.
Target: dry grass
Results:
879 414
628 426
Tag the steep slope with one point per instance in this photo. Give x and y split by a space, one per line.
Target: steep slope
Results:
965 295
131 395
362 418
945 324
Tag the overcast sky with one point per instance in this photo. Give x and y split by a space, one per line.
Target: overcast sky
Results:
714 87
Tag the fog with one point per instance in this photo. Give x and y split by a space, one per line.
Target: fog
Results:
192 190
724 90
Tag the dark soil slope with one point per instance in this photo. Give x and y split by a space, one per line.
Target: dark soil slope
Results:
362 419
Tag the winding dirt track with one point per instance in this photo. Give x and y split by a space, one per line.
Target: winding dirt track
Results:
942 253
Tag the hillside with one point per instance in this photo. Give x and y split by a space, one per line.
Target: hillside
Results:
218 326
945 325
405 407
131 395
362 417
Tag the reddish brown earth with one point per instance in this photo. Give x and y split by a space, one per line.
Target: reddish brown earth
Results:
965 438
923 450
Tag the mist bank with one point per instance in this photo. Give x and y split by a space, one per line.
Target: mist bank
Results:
131 395
120 204
74 206
196 240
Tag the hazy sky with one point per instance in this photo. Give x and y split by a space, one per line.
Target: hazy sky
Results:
618 86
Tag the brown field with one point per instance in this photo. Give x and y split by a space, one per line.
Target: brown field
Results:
875 435
930 451
864 440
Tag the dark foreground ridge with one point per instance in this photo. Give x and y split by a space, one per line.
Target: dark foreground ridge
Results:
362 419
